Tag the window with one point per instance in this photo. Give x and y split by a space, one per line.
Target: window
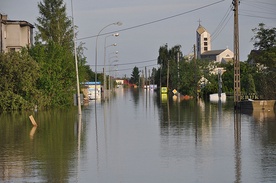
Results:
205 43
205 48
205 39
12 49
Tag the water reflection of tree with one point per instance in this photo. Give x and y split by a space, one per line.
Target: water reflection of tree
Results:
48 154
264 129
135 95
187 116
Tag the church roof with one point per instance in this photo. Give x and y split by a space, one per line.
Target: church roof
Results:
213 52
201 29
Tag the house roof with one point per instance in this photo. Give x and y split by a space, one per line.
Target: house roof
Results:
213 52
22 23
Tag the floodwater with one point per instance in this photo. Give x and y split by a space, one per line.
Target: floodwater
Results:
139 137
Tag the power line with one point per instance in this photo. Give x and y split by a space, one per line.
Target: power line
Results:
131 63
155 21
224 21
127 69
260 5
255 16
138 62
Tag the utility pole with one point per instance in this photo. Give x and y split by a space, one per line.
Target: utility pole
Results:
168 74
195 72
237 88
178 79
76 61
146 77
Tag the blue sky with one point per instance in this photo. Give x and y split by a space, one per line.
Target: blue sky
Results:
139 46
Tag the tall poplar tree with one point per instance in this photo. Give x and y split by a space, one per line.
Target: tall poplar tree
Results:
53 23
135 76
53 51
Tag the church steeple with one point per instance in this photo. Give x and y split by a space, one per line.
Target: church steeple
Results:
203 40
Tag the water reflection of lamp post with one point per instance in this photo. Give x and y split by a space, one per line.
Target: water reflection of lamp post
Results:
96 52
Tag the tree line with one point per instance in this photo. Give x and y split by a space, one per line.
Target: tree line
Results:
193 77
44 75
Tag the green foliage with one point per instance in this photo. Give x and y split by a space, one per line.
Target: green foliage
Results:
264 38
167 60
57 70
53 23
18 81
188 80
265 58
135 76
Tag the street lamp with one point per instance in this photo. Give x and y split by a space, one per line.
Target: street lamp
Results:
110 73
104 70
96 52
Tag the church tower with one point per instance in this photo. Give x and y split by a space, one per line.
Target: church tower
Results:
203 41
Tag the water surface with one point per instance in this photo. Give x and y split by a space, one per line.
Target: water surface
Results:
137 136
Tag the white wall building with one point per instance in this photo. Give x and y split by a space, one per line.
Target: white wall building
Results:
15 34
204 50
203 41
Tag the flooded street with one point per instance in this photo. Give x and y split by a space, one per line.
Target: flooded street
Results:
138 137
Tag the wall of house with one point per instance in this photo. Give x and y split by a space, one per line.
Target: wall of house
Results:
226 54
14 34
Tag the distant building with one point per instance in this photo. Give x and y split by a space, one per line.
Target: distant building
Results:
204 49
221 56
15 34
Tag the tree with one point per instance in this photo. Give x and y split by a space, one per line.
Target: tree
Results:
53 23
265 56
167 60
264 38
57 74
19 73
135 76
54 52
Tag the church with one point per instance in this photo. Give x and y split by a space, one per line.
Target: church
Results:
204 50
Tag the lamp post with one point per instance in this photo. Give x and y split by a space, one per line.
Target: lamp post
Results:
110 73
96 52
104 70
76 61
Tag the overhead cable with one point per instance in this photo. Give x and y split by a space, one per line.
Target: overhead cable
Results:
155 21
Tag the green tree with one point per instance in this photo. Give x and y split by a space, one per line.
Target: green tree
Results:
57 74
264 38
265 57
135 76
167 60
53 23
53 51
19 73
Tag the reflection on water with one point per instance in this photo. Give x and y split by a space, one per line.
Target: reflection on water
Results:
139 136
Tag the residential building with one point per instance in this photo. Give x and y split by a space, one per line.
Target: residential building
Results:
15 34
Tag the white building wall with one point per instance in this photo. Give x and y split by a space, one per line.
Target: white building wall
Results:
15 34
226 54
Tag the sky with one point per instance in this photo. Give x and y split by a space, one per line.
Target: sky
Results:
149 24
